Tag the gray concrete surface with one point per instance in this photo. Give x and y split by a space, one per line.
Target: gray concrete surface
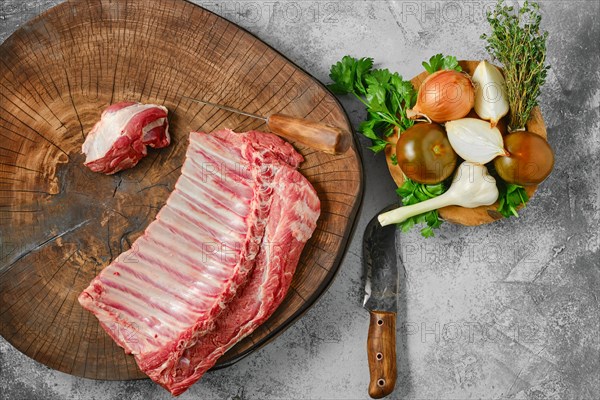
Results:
509 310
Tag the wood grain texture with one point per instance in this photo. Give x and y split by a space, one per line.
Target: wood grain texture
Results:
455 214
381 353
60 224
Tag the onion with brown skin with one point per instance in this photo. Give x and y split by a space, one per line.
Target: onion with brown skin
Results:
531 159
444 96
424 154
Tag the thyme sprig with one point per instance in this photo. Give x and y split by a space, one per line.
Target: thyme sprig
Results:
518 43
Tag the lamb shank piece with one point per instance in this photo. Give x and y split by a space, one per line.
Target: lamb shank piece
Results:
118 141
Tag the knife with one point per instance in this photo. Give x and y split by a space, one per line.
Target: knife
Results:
381 299
326 138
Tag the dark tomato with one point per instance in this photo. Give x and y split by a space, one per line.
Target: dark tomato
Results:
530 162
425 154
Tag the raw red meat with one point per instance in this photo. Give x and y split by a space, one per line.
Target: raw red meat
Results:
118 141
291 222
239 210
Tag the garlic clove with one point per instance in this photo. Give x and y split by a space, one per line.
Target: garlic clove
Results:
491 102
475 140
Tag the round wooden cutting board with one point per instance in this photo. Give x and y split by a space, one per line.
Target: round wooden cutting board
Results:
455 214
60 224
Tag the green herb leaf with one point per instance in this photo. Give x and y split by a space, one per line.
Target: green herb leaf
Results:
378 146
406 190
348 75
376 97
385 95
435 63
510 198
518 43
368 129
378 76
427 232
439 61
412 192
363 66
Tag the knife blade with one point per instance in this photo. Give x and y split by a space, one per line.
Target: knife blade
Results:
326 138
380 263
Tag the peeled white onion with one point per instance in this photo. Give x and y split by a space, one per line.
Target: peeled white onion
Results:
490 93
475 140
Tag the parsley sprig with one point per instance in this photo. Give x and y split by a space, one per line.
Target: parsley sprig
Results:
510 198
385 95
439 61
413 193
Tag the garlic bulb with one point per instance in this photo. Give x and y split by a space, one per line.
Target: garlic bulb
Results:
472 186
475 140
490 93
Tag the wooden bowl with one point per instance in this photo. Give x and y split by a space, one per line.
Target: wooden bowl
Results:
460 215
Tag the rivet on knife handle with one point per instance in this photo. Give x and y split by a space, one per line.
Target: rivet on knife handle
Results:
381 352
326 138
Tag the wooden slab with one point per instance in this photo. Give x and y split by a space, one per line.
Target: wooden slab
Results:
61 223
455 214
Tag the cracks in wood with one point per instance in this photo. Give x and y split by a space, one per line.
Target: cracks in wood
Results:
24 102
40 288
41 245
149 206
73 104
252 96
5 178
18 211
24 191
108 241
112 94
11 150
117 186
305 168
22 167
169 173
118 212
153 186
149 167
125 238
143 87
227 85
15 132
39 134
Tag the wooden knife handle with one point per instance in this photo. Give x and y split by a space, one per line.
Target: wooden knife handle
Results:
322 137
381 351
